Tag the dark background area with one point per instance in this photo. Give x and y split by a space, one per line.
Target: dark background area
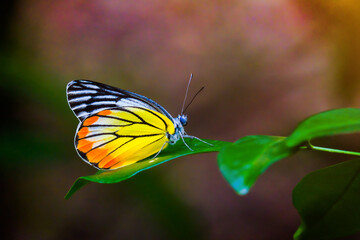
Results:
266 65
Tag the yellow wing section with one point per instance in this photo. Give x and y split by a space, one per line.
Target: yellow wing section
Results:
115 138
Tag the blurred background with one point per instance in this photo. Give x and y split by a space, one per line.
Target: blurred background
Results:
266 65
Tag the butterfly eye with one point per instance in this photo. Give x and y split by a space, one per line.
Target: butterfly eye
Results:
183 120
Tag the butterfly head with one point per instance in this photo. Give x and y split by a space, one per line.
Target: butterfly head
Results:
183 119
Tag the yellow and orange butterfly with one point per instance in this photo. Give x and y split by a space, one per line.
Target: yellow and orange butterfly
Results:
117 127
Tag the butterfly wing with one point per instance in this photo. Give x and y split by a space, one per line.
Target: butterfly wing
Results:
117 137
87 97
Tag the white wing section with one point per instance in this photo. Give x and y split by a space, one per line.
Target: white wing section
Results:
86 98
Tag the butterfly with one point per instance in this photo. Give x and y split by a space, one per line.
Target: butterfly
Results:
118 127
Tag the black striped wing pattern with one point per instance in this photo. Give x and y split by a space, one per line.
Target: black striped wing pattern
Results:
117 128
87 97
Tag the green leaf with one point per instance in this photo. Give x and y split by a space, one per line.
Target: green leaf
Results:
328 201
169 153
338 121
244 161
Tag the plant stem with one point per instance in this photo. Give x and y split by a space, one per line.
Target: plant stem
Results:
332 150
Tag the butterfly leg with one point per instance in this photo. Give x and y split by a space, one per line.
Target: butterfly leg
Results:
160 150
192 137
182 137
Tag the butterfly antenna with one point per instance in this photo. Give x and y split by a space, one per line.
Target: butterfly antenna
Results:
193 99
186 93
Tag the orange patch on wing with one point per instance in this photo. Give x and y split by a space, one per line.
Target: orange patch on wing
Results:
90 120
85 145
105 112
83 132
120 164
106 160
96 155
110 163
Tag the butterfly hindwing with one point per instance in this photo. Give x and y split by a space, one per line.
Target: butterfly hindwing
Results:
87 97
117 137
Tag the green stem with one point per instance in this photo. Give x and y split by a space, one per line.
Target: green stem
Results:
332 150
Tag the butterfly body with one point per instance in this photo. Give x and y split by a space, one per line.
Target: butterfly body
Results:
179 129
117 127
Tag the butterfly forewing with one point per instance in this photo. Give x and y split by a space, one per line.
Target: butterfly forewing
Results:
86 98
117 137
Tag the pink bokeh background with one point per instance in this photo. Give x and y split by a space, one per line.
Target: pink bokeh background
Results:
266 66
